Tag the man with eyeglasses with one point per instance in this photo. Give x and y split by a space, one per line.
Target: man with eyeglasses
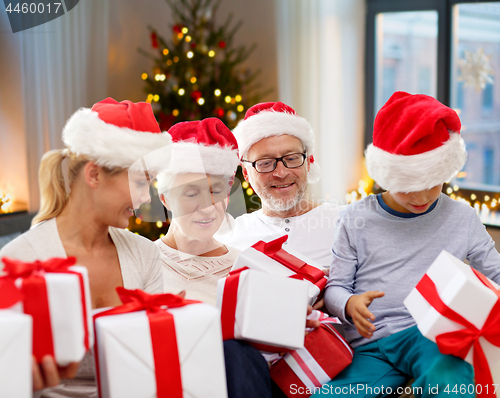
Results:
276 148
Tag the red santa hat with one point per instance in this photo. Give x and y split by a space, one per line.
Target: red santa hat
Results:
416 144
271 119
203 146
115 134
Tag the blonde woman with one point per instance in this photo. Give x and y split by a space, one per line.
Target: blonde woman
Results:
88 223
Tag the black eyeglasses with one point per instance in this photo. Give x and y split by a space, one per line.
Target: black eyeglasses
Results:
290 161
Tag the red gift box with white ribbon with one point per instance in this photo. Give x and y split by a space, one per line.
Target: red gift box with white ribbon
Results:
56 294
270 257
325 354
159 346
267 310
459 308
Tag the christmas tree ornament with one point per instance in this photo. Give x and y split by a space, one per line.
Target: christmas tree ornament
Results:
154 40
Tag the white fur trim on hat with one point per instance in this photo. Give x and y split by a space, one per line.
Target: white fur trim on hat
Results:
109 145
269 124
189 157
413 173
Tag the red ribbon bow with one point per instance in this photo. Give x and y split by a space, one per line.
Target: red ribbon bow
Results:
163 337
33 294
303 270
460 342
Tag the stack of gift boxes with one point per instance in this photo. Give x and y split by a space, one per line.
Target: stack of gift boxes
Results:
164 345
45 310
264 301
459 308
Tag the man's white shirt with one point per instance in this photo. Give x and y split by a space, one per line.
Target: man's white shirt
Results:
310 234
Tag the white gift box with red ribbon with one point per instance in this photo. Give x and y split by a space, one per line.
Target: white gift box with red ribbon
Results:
57 295
270 257
15 355
263 308
128 353
325 355
459 309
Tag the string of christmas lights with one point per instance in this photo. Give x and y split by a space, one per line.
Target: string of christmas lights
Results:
6 202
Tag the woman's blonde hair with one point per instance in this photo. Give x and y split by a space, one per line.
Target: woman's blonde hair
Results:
53 195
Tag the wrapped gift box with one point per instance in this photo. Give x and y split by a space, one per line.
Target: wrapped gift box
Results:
126 354
465 292
15 355
57 296
270 257
325 354
263 308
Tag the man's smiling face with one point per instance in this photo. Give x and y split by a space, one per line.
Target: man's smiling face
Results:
282 189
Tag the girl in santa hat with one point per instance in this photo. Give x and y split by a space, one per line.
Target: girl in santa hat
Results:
195 189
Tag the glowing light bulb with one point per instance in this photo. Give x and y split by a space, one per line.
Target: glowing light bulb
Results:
159 224
193 80
211 53
156 98
188 38
217 92
144 76
185 30
238 98
240 108
201 101
165 51
227 99
190 54
181 91
175 112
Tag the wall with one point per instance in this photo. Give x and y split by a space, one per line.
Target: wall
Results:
13 166
128 31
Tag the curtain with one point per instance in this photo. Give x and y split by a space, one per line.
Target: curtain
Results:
321 75
64 64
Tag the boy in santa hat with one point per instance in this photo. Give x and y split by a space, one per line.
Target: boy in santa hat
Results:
384 244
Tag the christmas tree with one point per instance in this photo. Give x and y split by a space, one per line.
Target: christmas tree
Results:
197 73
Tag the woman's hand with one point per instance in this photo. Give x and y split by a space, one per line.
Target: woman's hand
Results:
357 309
48 374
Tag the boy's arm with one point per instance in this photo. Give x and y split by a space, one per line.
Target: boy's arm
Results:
482 253
340 286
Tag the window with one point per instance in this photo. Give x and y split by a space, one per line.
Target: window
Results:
449 49
406 52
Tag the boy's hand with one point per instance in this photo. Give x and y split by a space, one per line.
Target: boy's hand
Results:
357 309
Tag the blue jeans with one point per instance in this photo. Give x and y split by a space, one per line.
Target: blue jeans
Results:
379 368
247 373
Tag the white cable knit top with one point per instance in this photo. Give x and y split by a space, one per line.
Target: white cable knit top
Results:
196 275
